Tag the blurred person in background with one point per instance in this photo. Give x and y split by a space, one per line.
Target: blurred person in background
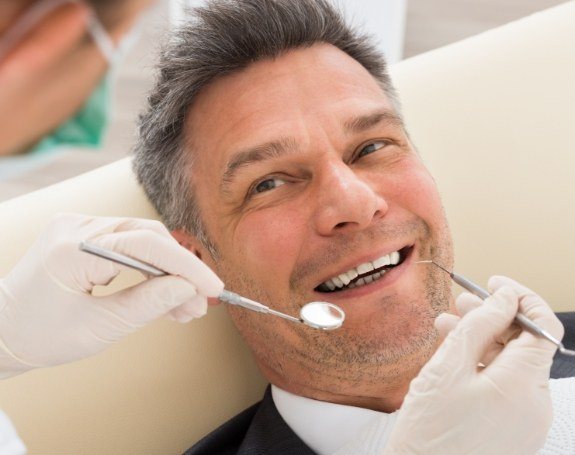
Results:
55 58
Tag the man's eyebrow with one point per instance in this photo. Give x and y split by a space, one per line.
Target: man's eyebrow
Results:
362 123
261 152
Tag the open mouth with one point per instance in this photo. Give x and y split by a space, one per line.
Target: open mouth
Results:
365 273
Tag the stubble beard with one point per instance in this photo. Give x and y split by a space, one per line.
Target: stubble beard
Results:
342 357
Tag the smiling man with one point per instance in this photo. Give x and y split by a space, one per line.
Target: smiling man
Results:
274 149
310 191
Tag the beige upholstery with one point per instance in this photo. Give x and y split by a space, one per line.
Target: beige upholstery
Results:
156 392
493 116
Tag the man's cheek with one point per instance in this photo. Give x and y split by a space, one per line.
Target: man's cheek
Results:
269 240
423 197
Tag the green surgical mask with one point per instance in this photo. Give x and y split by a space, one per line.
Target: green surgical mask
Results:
86 129
88 126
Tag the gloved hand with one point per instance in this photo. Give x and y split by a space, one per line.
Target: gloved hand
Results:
47 313
455 406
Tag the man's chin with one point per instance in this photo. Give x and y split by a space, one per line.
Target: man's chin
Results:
376 348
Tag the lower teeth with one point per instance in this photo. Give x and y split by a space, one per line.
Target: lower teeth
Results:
364 280
359 282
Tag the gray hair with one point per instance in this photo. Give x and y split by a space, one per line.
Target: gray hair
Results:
221 38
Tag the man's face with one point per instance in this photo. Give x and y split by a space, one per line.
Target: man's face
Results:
305 177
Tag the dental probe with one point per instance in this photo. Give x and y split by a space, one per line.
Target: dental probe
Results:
319 315
520 318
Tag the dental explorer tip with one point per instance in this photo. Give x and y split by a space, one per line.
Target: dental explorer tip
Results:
429 261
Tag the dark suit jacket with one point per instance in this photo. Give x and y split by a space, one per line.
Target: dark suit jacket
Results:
260 430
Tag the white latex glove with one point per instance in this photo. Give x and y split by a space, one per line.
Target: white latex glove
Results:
455 407
10 443
47 313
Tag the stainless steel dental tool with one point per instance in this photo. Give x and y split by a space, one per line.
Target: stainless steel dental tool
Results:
520 319
319 315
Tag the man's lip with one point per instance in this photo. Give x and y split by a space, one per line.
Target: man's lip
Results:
372 257
388 279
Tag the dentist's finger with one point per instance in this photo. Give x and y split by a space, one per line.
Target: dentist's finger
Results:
166 254
497 281
445 323
195 308
486 323
466 302
149 300
532 306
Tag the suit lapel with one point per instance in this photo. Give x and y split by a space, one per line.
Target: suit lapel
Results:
563 366
269 434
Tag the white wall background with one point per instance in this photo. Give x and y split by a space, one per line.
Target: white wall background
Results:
385 19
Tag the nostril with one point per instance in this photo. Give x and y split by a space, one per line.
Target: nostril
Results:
378 213
341 225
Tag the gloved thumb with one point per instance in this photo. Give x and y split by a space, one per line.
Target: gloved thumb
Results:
445 323
470 337
192 309
149 300
488 321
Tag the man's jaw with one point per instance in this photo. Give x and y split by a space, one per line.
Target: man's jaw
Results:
363 275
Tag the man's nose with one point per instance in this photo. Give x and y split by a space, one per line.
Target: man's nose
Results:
347 201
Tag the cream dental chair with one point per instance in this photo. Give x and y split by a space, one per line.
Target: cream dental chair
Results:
494 118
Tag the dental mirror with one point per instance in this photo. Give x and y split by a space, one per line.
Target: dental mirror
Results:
322 315
318 315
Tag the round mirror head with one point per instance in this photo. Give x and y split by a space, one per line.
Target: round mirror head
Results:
322 315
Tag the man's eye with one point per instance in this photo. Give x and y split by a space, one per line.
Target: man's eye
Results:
268 184
370 148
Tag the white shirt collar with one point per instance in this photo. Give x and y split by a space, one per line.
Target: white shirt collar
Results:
325 427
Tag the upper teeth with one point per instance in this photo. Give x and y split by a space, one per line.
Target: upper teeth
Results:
337 282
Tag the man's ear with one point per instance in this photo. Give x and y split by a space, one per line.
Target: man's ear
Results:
188 241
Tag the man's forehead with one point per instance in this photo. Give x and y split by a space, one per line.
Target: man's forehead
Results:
272 98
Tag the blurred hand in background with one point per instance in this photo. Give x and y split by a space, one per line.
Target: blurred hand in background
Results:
54 54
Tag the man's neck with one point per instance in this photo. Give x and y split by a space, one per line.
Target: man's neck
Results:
386 397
